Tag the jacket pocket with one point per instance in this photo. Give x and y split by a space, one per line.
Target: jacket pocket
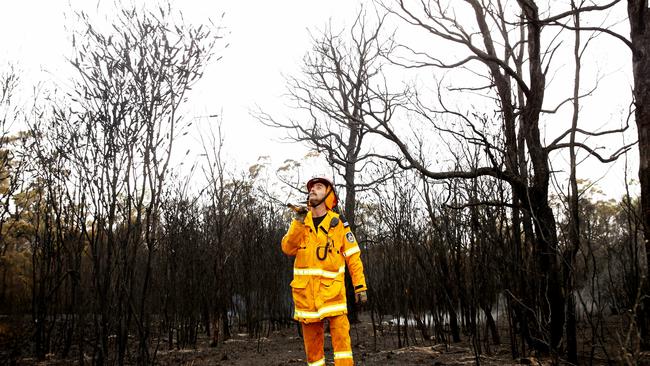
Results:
299 292
331 289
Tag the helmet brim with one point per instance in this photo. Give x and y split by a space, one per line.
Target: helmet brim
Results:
313 181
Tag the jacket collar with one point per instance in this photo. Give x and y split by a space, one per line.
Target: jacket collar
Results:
325 224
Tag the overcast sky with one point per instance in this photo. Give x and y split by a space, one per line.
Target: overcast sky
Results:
267 39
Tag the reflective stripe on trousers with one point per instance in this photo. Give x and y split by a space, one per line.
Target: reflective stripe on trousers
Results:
342 355
320 362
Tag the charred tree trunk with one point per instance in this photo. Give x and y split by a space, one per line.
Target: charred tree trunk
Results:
545 225
350 208
639 17
574 211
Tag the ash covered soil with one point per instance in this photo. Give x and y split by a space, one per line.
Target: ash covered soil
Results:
285 347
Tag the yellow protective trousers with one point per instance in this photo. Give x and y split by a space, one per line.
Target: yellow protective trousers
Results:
340 332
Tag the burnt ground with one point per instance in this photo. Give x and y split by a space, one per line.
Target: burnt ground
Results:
284 347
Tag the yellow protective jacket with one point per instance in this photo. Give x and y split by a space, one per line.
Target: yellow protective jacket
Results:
318 284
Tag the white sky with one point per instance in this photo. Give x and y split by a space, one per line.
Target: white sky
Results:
268 39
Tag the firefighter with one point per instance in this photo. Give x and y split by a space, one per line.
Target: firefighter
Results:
323 245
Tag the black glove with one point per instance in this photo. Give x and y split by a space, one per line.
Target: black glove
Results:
299 212
361 298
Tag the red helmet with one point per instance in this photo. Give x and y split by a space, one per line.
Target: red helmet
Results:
331 200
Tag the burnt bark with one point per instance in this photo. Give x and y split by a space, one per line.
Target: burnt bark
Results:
639 18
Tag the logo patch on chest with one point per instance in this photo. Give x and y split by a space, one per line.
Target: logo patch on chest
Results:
350 237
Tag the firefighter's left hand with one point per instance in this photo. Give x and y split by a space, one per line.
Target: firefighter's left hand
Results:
361 298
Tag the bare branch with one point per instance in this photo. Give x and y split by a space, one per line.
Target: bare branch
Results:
593 153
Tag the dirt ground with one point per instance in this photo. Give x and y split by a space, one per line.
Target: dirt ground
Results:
285 348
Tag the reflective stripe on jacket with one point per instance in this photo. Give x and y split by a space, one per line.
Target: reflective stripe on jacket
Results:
318 284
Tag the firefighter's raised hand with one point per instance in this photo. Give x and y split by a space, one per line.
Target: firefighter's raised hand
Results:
299 212
300 216
361 298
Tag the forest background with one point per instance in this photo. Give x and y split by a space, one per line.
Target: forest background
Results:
491 157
